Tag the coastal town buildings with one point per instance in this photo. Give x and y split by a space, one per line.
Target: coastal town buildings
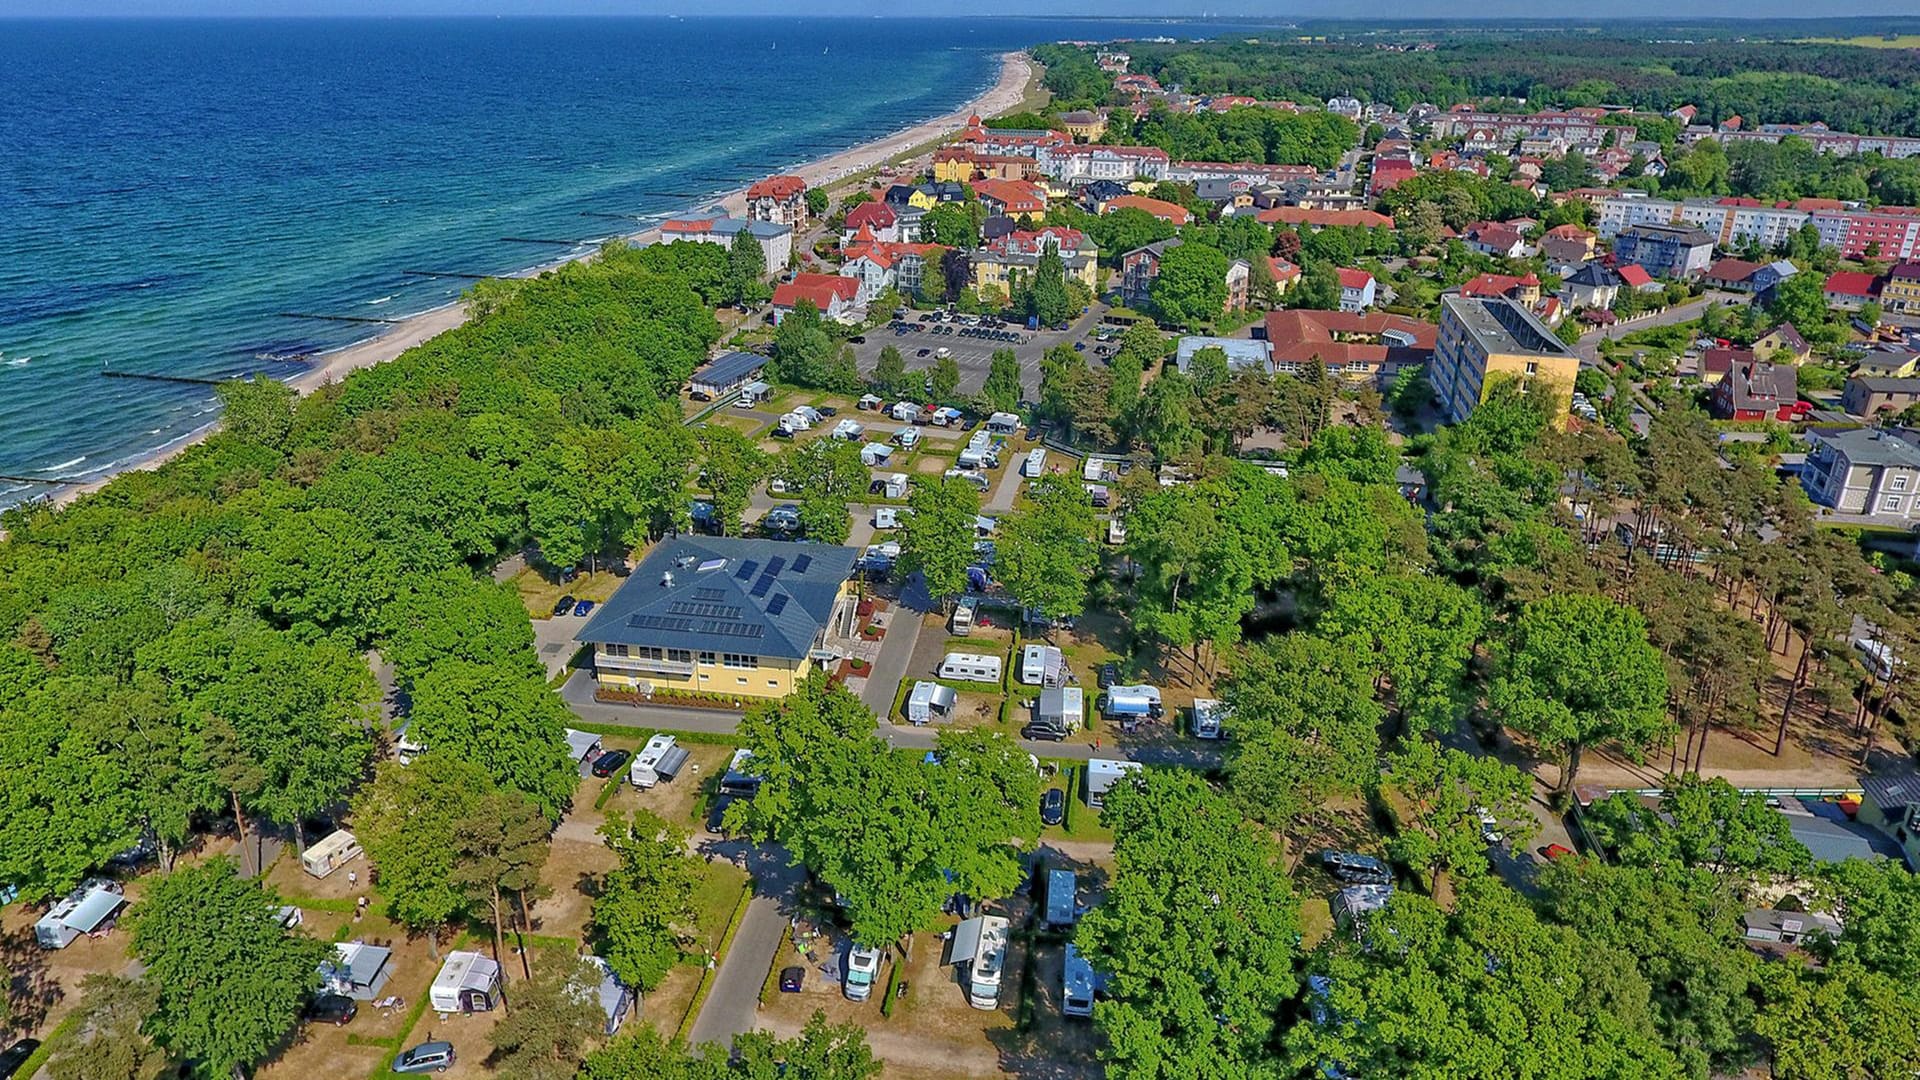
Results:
776 241
832 295
1077 162
1172 213
1664 251
999 262
1891 232
1483 341
723 616
1900 292
1357 289
1867 471
1018 199
781 200
1366 348
879 266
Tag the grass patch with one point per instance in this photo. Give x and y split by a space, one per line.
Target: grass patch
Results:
414 1013
540 595
391 1042
720 954
61 1033
894 964
1316 921
718 898
332 905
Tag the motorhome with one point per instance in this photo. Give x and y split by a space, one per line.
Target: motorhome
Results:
974 477
907 437
1036 463
1207 714
1062 899
981 944
863 966
1078 982
1042 665
971 667
1102 774
1878 657
894 485
330 854
469 982
405 748
929 701
961 624
659 760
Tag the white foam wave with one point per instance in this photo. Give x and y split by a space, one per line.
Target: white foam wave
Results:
65 464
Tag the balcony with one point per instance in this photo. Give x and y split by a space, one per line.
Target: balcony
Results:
641 665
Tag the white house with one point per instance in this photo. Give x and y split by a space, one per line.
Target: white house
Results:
1356 290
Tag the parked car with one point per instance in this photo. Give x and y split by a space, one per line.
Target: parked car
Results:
1109 674
584 607
1356 869
858 339
335 1009
923 352
563 606
609 763
1053 807
829 410
16 1055
427 1057
1042 733
791 979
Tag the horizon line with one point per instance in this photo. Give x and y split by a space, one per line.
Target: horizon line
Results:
1278 20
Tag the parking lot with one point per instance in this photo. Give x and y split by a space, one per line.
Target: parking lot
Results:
972 354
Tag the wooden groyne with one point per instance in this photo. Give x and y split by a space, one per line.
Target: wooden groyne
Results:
334 318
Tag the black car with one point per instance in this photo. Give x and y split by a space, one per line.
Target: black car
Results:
1109 674
16 1055
876 487
791 979
829 410
1042 733
858 339
1356 869
563 606
335 1009
609 763
1053 807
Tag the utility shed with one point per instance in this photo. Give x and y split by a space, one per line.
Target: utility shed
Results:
357 970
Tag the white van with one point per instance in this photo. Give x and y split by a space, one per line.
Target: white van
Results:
971 667
962 622
1206 718
981 944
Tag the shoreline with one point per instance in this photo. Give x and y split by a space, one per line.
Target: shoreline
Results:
1016 69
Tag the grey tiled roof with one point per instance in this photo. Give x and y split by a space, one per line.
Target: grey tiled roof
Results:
757 597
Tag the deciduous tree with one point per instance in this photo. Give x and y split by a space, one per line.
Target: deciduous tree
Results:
644 906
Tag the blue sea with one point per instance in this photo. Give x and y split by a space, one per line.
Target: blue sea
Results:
184 197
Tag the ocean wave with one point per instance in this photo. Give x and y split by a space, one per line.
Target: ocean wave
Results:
64 464
20 361
382 300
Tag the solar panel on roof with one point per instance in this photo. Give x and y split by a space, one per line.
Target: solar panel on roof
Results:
746 570
773 568
760 587
660 622
777 605
712 564
709 594
705 611
800 564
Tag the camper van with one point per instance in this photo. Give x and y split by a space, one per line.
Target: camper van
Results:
1078 983
89 909
863 966
907 437
659 760
1206 718
1878 658
330 854
929 701
737 781
1131 704
962 622
1042 665
971 667
1036 462
894 485
1062 899
981 944
886 517
469 982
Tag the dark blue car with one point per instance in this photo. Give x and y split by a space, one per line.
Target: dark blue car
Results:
583 607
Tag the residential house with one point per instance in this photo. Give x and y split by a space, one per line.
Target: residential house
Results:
1890 803
1755 390
1301 217
1666 251
879 266
1017 199
1731 274
1285 275
1357 289
1869 471
1525 289
1227 193
1887 362
745 618
776 241
1788 927
1769 276
1715 364
1497 239
1783 344
1160 208
1243 354
1389 173
1348 107
1239 278
1901 291
879 220
1567 244
1592 286
1369 348
1482 341
925 197
1024 142
1136 85
1000 261
834 296
1084 124
1095 196
1869 396
779 199
957 165
1139 268
1634 276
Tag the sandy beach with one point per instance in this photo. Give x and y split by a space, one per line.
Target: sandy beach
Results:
1003 96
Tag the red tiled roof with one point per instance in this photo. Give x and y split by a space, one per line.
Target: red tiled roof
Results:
1731 270
1852 283
1018 196
876 215
1353 279
686 225
1296 215
1722 360
1568 231
886 254
1498 284
1283 271
1634 276
821 289
1299 335
1159 208
777 187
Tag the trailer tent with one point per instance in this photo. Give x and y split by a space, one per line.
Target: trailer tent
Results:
468 982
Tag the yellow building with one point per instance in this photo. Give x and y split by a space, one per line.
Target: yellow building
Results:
1484 340
1901 291
714 615
1084 125
998 268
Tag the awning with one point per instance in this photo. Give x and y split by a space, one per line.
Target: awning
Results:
581 743
966 940
670 762
93 909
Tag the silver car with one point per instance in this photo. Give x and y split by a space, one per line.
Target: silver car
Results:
427 1057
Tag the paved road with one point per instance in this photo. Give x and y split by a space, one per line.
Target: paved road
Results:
896 650
732 1006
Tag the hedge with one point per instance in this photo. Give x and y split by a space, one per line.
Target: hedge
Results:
719 957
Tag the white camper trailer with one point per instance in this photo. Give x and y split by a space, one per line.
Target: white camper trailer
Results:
89 909
1042 665
659 760
886 517
357 970
981 944
1036 462
895 485
1003 423
469 982
405 749
962 622
930 700
330 854
971 667
1102 774
1131 704
875 453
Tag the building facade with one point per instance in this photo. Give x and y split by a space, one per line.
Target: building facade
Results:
1665 251
1483 341
1868 471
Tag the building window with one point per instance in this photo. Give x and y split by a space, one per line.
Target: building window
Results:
739 661
1533 368
742 680
1891 504
680 656
1900 482
614 650
709 658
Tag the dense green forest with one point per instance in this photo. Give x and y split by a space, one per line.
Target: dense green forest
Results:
1875 92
